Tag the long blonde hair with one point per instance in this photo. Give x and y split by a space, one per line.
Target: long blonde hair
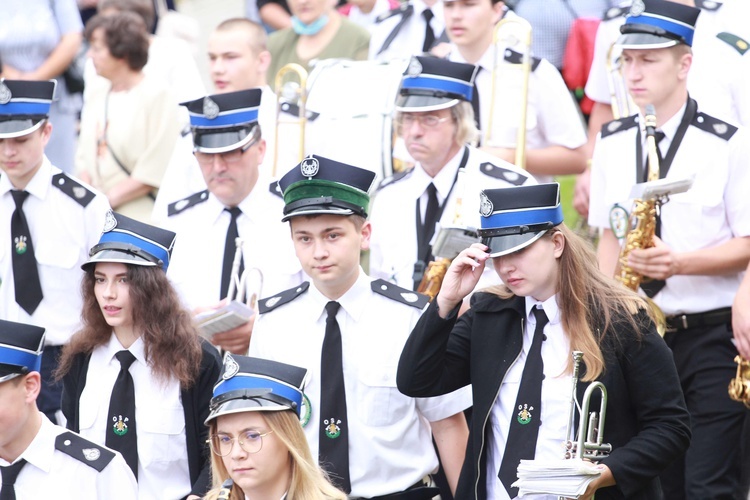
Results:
309 482
590 301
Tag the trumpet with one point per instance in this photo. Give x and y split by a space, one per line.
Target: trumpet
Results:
739 386
242 287
290 91
590 443
621 103
524 39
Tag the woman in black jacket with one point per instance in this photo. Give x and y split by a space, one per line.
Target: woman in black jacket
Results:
137 377
543 265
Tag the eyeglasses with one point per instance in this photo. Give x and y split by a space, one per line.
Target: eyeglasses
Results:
250 442
232 156
425 121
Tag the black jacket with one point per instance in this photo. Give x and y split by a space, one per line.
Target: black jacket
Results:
647 422
195 401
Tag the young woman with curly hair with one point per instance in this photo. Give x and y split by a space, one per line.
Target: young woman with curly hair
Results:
137 377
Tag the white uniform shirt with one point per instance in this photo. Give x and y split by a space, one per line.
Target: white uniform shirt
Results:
393 245
160 420
183 175
390 443
367 20
556 392
63 232
198 256
552 118
410 38
712 212
50 473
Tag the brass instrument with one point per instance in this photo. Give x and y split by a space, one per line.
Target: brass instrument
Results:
295 92
448 243
226 490
643 215
739 387
241 287
590 443
524 39
621 103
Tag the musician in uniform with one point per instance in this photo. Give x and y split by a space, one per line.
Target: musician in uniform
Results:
49 221
229 149
554 128
348 330
436 121
514 346
410 29
39 459
702 241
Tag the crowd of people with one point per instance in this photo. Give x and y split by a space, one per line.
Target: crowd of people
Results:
196 302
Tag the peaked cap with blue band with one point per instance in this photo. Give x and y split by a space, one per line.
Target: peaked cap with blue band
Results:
654 24
319 185
514 218
21 347
223 122
430 83
255 384
129 241
24 105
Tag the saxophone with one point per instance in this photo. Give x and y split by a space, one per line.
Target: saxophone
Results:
643 215
739 387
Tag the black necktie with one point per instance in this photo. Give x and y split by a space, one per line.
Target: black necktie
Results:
429 34
425 231
431 214
25 272
475 102
10 473
121 435
652 287
230 247
333 442
524 426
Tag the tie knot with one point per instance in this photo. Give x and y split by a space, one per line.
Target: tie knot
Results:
332 308
428 15
234 212
10 473
431 190
19 197
541 317
125 358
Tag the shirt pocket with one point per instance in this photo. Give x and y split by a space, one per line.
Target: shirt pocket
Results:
161 435
380 403
59 269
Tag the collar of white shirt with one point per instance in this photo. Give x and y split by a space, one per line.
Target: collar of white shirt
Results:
40 451
550 307
114 346
443 180
351 302
669 128
38 186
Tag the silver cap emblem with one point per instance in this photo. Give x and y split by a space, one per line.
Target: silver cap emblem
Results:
485 205
110 222
5 93
415 67
310 167
637 8
230 367
210 108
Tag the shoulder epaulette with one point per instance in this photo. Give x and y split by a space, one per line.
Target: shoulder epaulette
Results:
505 174
714 126
403 295
185 203
275 189
394 178
614 12
615 126
271 303
400 10
81 194
95 456
514 57
708 4
737 43
293 109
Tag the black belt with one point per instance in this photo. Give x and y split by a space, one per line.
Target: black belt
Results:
709 318
421 490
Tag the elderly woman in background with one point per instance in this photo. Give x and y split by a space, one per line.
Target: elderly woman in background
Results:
318 32
128 128
38 41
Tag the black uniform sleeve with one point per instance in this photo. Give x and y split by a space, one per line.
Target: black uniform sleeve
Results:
435 359
73 383
658 405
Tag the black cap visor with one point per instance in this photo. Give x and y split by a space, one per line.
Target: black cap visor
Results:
221 140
